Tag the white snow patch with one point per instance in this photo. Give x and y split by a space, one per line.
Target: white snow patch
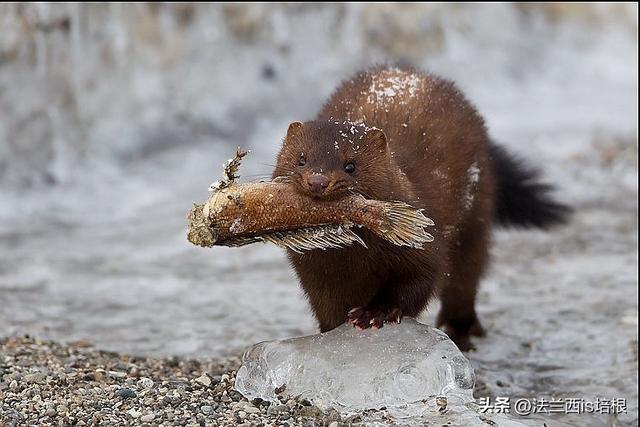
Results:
390 83
473 176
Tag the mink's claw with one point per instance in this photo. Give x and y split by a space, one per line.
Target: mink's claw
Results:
373 317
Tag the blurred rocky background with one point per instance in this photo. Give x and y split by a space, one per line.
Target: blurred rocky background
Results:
91 88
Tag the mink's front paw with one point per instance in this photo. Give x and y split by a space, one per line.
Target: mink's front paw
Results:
373 317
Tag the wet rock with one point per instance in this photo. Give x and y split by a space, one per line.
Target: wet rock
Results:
116 374
145 383
126 393
277 409
204 380
147 418
35 378
134 413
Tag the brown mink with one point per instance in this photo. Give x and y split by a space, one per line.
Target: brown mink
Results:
393 133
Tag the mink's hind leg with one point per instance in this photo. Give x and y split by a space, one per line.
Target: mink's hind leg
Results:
457 316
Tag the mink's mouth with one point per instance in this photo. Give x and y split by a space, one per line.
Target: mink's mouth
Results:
331 193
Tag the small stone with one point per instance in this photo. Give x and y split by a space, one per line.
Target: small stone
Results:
204 380
276 409
116 374
134 413
13 385
333 424
441 401
126 393
310 411
98 375
147 418
37 378
248 407
206 409
145 382
50 412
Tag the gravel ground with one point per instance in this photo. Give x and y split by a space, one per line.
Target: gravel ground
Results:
47 383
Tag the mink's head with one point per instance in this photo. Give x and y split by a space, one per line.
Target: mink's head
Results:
329 159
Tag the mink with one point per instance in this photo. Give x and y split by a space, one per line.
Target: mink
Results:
400 134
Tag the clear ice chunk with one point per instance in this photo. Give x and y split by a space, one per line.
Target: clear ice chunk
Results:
403 369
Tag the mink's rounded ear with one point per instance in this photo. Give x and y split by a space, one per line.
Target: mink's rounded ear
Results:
294 129
377 138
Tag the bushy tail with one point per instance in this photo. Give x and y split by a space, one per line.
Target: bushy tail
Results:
521 199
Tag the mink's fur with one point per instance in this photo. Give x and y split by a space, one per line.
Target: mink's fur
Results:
412 137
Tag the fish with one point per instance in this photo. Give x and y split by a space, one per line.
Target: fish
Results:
273 212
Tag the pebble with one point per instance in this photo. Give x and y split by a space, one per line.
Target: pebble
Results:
116 374
147 418
145 382
277 409
206 409
37 378
134 413
204 380
126 393
248 407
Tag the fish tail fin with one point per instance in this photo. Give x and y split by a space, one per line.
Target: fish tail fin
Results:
404 225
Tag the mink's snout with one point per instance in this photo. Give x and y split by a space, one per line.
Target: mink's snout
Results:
317 183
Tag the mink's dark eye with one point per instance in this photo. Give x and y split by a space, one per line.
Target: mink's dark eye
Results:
302 161
349 168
